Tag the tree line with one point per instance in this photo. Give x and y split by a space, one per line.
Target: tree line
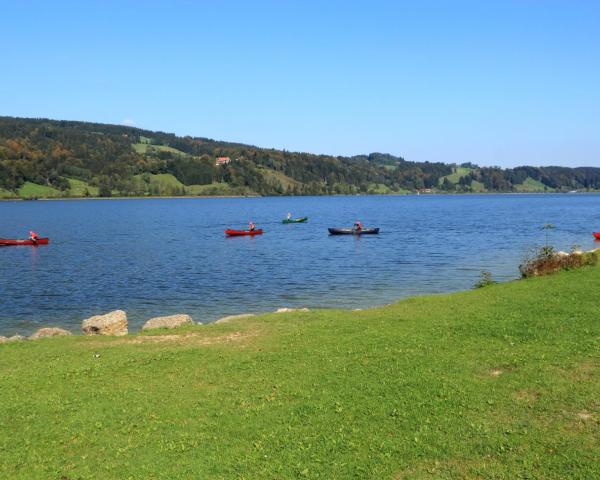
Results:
116 158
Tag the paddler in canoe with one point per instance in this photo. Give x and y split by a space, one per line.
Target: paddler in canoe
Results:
33 236
358 226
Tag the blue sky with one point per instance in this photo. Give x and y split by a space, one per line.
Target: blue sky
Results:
493 82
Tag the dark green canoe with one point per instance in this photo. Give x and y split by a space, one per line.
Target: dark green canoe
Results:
295 220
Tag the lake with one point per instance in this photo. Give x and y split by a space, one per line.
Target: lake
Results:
154 257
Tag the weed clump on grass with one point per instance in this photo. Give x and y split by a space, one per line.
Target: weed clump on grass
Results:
547 260
485 279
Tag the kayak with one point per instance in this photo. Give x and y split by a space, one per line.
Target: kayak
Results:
235 233
351 231
295 220
597 235
5 242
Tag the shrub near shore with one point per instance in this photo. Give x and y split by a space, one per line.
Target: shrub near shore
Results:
498 382
547 261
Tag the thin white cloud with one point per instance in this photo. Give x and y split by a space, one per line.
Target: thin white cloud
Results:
128 121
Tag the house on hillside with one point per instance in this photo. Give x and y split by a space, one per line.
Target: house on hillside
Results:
222 161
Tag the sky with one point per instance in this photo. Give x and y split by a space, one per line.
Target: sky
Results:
494 82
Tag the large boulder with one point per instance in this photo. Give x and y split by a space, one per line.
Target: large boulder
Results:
113 323
172 321
49 332
234 317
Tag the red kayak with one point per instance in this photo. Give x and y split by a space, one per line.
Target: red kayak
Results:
5 242
597 235
235 233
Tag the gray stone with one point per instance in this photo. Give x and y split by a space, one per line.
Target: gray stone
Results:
172 321
234 317
49 332
113 323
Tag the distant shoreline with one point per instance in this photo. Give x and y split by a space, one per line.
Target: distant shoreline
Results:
45 199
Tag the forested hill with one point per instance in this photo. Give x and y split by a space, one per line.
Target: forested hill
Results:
50 158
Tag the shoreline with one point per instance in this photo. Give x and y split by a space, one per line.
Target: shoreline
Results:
436 194
226 318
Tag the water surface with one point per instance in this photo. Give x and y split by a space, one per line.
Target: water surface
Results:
163 256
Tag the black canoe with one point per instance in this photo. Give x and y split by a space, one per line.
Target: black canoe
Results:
351 231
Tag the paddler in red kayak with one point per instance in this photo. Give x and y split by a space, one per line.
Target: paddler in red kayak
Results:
251 226
33 236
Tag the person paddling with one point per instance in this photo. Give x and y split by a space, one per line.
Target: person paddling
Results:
33 236
358 226
289 215
251 226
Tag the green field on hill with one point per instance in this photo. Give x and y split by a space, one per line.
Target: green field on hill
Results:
457 172
500 382
33 190
80 188
531 185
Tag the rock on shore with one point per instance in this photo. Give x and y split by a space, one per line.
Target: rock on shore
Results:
14 338
113 323
172 321
234 317
49 332
288 310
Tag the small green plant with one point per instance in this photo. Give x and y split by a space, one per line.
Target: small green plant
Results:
485 280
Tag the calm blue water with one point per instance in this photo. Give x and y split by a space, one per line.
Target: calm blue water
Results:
163 256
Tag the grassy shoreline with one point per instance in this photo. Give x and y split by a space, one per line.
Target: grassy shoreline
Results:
498 382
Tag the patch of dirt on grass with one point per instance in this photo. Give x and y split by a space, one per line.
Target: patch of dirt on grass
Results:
198 339
585 416
195 338
585 370
496 372
526 395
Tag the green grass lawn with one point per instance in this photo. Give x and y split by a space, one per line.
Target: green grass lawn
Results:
378 189
79 188
144 147
531 185
457 172
496 383
477 187
160 184
33 190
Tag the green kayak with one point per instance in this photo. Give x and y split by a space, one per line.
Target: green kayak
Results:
295 220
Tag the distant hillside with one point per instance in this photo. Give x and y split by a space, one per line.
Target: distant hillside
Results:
42 158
